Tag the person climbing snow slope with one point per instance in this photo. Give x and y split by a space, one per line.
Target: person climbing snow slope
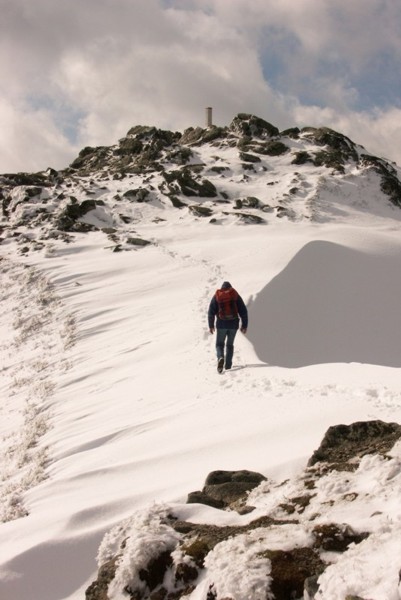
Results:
225 311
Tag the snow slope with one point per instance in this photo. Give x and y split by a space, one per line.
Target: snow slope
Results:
141 414
110 396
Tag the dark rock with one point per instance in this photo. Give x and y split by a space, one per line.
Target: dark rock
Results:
5 202
139 150
251 202
154 573
90 159
292 132
211 594
207 189
141 131
138 242
160 594
203 498
150 134
336 538
217 169
67 219
311 587
332 159
99 588
31 192
205 537
185 572
52 174
83 227
137 195
274 148
192 135
344 148
29 179
249 158
180 156
290 570
197 550
284 211
217 477
229 492
129 146
188 185
251 219
200 211
197 136
250 125
301 158
176 202
341 443
248 202
390 184
224 488
297 504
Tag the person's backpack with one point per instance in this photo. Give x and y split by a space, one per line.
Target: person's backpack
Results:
227 303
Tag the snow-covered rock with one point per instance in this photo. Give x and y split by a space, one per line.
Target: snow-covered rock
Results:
336 517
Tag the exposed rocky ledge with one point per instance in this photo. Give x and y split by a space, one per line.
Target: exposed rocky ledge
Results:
284 540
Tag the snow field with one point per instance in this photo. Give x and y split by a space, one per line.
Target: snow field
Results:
138 413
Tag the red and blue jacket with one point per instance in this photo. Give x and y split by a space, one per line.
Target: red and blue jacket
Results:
215 321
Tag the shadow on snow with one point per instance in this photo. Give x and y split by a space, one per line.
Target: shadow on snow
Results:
330 304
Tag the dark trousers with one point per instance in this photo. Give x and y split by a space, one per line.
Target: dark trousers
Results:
225 337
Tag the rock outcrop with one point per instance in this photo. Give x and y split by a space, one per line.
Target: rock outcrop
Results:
226 489
236 173
287 547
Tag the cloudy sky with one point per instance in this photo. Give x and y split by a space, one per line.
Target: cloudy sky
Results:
75 73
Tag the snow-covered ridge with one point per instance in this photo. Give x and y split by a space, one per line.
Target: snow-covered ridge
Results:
133 414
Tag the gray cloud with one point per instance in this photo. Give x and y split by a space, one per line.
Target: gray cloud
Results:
78 73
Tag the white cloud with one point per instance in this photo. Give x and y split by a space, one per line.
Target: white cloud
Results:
96 68
379 131
30 140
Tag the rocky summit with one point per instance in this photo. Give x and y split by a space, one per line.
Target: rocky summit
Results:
246 173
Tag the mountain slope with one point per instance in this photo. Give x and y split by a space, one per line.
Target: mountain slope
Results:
136 412
245 173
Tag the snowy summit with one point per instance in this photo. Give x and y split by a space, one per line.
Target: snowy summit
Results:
130 467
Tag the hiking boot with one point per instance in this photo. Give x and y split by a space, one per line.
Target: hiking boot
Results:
220 365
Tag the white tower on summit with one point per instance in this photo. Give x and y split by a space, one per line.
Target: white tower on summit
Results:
209 121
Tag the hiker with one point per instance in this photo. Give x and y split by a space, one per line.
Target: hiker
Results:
228 306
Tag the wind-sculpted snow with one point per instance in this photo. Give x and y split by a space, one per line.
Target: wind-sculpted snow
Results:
36 335
331 304
133 412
